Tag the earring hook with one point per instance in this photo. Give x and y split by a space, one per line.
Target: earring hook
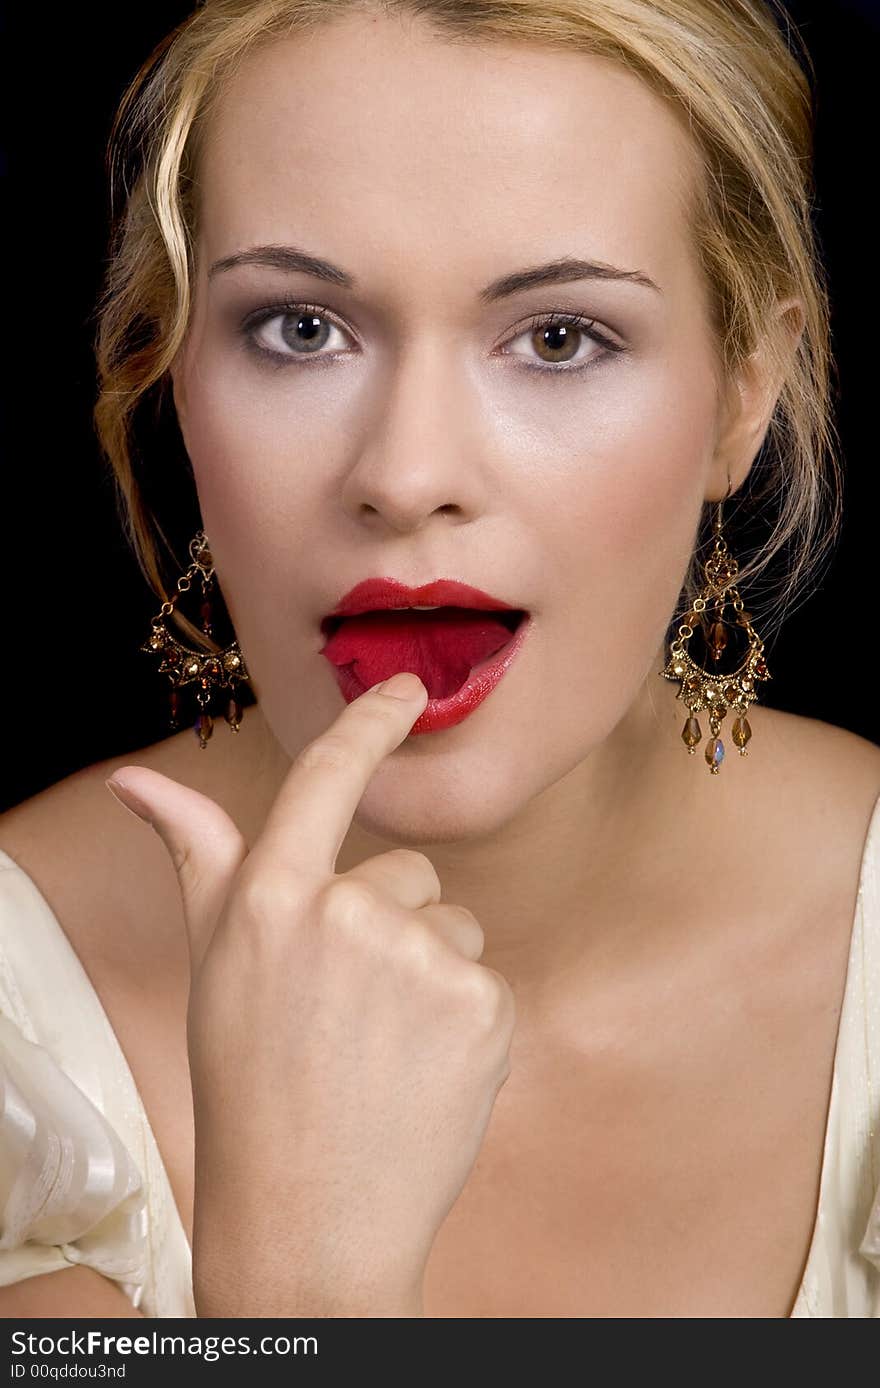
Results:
720 505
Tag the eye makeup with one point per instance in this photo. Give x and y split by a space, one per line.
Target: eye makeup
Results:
578 323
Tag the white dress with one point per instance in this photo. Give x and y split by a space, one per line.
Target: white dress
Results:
82 1180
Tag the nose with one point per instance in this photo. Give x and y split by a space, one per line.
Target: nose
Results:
421 456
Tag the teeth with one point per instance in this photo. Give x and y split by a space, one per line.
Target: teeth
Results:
424 609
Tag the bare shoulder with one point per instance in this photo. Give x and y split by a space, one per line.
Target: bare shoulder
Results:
818 785
832 767
109 880
106 875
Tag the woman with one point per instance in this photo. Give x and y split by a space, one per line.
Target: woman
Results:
501 1005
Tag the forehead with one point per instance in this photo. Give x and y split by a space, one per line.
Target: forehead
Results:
380 144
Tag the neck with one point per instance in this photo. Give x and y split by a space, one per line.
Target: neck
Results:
584 876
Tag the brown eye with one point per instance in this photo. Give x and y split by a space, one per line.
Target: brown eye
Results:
559 341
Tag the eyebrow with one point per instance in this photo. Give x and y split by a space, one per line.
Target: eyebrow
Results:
566 268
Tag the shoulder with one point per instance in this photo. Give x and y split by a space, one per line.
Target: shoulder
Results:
820 774
108 877
809 821
787 828
105 874
836 746
97 866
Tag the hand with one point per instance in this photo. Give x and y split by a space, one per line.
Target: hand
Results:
345 1045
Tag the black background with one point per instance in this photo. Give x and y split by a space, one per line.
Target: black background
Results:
75 607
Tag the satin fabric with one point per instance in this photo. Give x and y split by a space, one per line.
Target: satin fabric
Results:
81 1177
82 1180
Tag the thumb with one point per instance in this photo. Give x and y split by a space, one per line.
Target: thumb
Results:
205 847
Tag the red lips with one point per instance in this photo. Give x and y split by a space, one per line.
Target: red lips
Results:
440 647
368 640
374 594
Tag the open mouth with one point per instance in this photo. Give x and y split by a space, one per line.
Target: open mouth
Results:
441 645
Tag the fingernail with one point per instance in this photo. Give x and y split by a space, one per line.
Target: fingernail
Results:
403 686
128 800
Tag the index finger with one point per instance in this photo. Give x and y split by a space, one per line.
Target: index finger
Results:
313 810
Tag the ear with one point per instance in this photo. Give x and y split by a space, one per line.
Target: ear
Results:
750 399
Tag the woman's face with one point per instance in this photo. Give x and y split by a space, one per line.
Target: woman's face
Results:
426 430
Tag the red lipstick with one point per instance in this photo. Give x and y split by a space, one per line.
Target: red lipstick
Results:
375 594
460 650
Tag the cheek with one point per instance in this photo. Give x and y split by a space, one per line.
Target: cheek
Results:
637 510
255 522
244 446
254 458
616 490
618 472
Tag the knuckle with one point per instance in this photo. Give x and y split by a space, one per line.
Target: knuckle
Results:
506 1016
474 933
464 925
331 752
421 948
468 916
263 897
412 858
380 709
485 995
349 903
459 925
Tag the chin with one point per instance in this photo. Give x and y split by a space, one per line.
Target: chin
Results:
426 813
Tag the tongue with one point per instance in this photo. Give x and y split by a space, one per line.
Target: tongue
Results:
440 647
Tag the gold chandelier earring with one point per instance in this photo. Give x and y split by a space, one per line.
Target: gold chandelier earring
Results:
702 689
204 669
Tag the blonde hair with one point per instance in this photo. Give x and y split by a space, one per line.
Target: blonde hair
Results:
723 65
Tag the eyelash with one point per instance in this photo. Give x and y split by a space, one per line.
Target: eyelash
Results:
281 359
